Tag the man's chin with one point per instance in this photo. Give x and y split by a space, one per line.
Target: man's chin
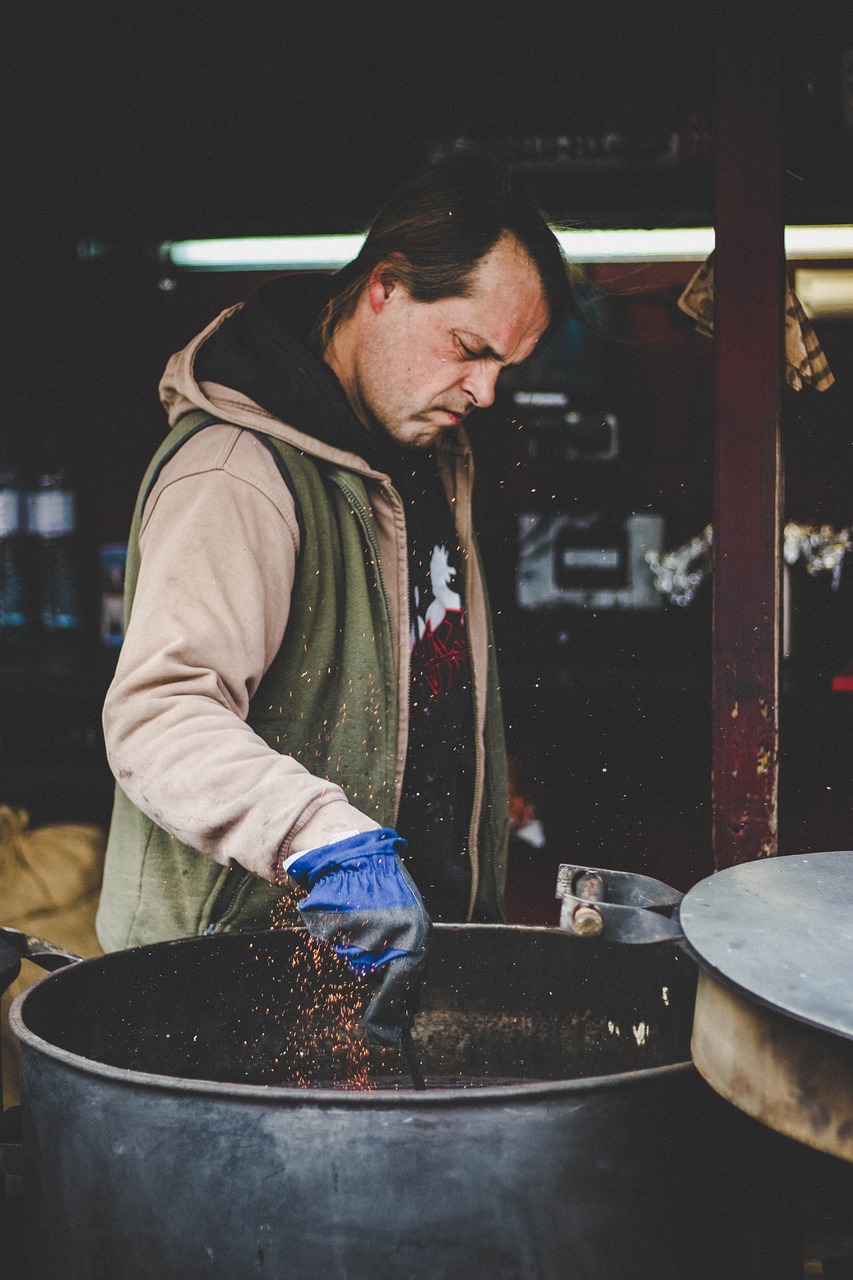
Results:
415 435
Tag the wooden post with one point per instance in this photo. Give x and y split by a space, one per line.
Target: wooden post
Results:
749 352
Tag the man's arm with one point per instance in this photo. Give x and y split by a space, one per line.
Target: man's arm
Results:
219 548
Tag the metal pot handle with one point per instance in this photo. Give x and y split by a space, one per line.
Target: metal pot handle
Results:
45 954
618 906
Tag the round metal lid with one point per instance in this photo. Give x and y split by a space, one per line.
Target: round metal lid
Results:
781 929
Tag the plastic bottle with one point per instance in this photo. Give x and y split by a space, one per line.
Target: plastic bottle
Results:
13 578
52 526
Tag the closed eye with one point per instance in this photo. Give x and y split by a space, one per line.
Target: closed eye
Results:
473 353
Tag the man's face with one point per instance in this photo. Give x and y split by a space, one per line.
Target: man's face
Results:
418 368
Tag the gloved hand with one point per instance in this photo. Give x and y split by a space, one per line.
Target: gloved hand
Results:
363 901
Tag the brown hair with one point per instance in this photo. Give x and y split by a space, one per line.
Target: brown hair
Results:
436 228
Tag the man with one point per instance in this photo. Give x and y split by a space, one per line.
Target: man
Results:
290 680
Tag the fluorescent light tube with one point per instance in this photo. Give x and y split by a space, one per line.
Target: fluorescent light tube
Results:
819 242
259 253
662 244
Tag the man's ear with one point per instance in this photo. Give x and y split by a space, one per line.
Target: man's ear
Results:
384 280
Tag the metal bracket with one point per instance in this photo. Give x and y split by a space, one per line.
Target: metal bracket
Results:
618 906
47 955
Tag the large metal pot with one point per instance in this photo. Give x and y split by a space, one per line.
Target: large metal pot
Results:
563 1131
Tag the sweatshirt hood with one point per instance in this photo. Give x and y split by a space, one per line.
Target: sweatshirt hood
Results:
258 365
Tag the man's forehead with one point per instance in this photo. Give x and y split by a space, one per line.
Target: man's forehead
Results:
508 304
506 328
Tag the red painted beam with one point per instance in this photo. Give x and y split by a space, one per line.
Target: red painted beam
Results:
748 342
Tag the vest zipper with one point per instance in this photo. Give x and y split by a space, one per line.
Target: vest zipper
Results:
473 851
478 795
224 901
367 525
364 516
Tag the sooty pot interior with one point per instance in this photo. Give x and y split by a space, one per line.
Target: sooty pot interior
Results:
500 1004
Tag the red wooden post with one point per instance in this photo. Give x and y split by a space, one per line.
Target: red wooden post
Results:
749 351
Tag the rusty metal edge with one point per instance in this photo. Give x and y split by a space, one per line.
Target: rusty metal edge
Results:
791 1077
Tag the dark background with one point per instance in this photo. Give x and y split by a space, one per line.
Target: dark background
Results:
130 125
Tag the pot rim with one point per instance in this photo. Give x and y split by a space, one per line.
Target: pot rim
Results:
293 1096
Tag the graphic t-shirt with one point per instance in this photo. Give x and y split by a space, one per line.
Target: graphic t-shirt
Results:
437 787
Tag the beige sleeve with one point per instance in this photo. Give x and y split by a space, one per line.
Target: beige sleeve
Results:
218 552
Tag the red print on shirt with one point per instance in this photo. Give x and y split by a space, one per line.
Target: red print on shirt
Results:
440 644
444 651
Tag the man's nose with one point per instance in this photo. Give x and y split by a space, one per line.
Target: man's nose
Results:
479 383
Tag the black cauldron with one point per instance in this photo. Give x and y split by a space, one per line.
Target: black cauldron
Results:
563 1132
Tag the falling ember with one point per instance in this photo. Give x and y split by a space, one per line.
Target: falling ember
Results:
311 1032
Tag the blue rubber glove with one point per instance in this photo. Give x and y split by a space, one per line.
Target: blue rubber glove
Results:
363 901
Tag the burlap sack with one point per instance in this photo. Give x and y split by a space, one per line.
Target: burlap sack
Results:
50 880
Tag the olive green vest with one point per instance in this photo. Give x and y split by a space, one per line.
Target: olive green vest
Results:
329 699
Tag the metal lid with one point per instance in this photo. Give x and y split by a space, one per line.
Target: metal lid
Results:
781 930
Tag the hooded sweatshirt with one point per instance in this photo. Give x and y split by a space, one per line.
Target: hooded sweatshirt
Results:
219 551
